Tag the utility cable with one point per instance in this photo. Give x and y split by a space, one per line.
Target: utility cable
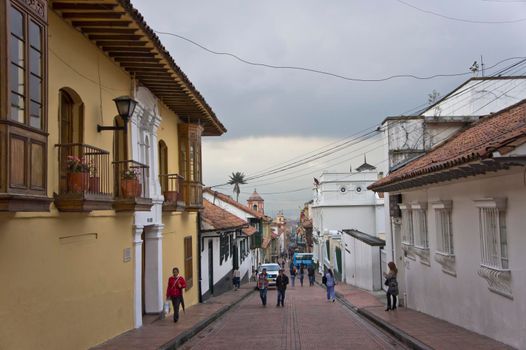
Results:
460 19
311 70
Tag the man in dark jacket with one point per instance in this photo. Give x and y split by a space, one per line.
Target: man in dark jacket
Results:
281 286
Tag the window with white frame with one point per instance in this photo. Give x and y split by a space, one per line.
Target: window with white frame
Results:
419 215
407 225
493 236
444 232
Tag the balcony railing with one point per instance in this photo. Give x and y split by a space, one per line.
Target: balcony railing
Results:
84 178
193 195
131 186
172 189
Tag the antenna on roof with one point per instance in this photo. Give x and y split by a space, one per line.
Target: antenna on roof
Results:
481 65
474 68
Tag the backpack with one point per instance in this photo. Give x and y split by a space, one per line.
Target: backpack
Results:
324 279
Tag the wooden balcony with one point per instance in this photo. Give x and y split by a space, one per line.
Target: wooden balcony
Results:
193 195
172 188
84 178
131 186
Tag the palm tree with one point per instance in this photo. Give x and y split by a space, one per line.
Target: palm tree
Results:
237 179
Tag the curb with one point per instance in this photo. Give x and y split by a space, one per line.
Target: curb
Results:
198 327
399 334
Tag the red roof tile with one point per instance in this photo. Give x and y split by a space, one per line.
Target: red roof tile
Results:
477 142
219 218
249 231
231 201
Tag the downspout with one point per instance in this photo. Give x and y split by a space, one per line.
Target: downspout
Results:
199 233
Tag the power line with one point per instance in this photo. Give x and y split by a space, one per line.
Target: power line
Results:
460 19
311 70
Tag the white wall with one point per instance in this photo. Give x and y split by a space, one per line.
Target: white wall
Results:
362 264
465 300
220 271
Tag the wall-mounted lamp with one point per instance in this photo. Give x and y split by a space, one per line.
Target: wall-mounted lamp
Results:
125 107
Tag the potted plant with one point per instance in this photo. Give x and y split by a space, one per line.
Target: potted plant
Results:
94 179
130 185
77 174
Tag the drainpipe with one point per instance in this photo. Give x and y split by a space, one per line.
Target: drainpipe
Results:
199 233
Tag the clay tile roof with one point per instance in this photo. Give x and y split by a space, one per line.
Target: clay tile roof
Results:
249 231
219 218
477 142
255 197
231 201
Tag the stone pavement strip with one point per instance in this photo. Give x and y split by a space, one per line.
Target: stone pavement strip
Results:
165 334
308 321
416 329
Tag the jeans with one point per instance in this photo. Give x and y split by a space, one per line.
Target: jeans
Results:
311 280
263 296
301 279
330 293
389 295
281 296
292 279
176 301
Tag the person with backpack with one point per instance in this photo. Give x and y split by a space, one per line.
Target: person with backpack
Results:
392 286
293 273
302 273
174 292
281 285
263 286
310 271
330 282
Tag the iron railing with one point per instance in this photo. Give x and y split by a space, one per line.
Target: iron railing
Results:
131 179
84 169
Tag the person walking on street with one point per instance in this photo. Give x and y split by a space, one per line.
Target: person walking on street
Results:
330 282
392 286
174 292
302 273
236 279
310 271
281 286
263 286
293 273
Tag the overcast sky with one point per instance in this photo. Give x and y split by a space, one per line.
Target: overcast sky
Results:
273 115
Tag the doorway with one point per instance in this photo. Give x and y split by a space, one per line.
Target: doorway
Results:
211 266
143 270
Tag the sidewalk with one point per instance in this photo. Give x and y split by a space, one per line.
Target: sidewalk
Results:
165 334
417 330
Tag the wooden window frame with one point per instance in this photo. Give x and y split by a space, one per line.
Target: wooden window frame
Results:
31 195
188 262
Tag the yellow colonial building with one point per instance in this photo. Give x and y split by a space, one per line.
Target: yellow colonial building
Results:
100 172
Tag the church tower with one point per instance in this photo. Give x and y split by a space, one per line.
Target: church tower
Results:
256 203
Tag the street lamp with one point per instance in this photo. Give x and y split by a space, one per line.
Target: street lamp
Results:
125 107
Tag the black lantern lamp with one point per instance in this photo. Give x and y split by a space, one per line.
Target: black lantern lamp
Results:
125 107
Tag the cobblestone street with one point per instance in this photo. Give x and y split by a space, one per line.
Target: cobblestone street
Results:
308 321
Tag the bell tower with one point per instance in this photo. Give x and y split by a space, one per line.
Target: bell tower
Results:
256 203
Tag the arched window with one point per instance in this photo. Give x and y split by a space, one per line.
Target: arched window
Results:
163 165
71 117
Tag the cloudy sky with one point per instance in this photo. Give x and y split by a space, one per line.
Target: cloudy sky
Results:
275 115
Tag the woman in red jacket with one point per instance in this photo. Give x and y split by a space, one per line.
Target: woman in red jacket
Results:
174 291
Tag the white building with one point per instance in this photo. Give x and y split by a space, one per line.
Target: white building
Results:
342 201
224 248
459 242
254 218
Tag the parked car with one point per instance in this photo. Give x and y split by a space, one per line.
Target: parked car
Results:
272 272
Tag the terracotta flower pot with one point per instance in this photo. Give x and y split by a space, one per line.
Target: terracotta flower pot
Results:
77 182
94 184
130 188
171 196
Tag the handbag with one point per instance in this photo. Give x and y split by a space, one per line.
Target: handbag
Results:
386 282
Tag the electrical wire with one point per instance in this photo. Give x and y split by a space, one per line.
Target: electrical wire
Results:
311 70
457 19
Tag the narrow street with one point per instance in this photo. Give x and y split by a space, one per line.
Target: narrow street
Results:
308 321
